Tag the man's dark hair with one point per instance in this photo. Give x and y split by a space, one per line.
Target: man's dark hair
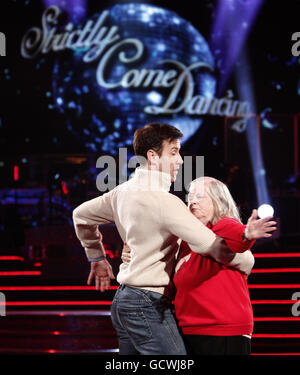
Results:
151 136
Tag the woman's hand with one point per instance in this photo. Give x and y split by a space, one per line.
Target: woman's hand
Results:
259 228
126 254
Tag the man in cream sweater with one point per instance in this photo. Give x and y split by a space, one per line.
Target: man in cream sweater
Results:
151 221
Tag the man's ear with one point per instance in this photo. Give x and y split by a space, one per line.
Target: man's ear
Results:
152 157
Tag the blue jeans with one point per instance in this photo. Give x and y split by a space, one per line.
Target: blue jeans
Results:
144 323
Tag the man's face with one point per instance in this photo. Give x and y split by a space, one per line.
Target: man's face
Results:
170 160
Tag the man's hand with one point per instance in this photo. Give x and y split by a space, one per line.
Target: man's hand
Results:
102 271
126 253
259 228
243 262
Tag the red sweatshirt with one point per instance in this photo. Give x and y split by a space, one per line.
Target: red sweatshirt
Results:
213 299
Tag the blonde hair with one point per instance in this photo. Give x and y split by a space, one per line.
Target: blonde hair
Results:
223 203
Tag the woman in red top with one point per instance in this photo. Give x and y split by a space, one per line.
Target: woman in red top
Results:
212 302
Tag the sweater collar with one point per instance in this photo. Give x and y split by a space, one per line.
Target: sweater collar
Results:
153 180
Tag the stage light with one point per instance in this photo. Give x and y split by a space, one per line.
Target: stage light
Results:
232 24
265 210
64 188
16 173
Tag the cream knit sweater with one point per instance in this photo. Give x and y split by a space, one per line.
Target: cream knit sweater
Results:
151 221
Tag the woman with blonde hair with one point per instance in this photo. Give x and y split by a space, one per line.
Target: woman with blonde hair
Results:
212 302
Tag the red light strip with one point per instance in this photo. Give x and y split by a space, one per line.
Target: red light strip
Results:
11 257
272 286
275 270
258 255
277 319
275 353
64 188
56 303
16 173
33 303
20 288
115 287
273 302
50 303
276 255
19 273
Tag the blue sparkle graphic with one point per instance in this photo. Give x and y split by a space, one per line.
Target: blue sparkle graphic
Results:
108 117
